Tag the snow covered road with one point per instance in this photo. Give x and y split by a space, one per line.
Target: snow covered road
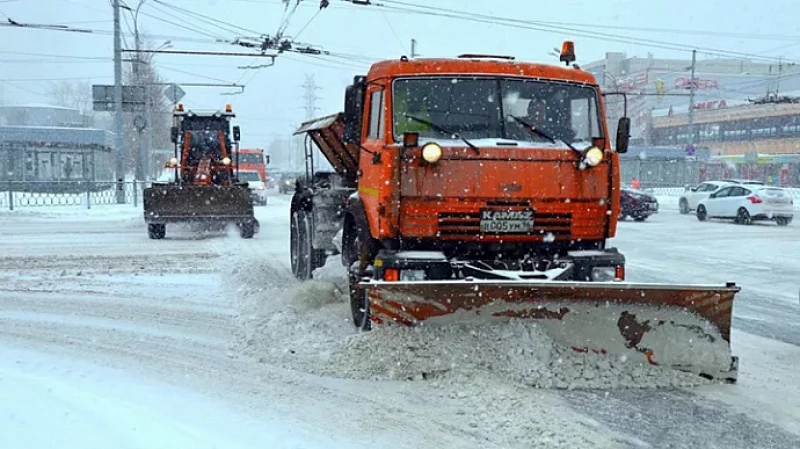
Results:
110 339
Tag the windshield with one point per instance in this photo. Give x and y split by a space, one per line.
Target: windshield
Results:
483 108
249 176
204 144
251 158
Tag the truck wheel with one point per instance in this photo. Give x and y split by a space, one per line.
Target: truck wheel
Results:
361 253
156 231
316 257
783 221
247 230
299 248
683 206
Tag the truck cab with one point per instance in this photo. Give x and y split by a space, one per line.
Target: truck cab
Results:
472 167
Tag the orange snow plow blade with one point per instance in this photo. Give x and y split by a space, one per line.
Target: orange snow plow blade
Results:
684 327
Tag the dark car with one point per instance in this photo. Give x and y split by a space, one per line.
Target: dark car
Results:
286 182
637 204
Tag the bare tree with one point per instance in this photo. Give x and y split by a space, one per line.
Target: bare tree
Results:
147 76
72 94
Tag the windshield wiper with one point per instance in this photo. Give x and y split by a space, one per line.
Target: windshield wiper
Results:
443 130
541 134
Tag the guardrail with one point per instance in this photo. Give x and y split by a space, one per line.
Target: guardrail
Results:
87 194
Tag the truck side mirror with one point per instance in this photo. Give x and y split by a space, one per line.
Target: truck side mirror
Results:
237 133
268 159
623 134
354 110
173 133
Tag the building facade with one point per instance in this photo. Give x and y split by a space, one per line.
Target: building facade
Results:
51 144
661 84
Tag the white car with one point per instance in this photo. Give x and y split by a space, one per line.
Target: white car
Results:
747 203
688 202
744 181
257 185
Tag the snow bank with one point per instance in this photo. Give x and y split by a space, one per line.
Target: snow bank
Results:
307 327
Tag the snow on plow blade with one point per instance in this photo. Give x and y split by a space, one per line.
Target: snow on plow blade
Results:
169 203
683 327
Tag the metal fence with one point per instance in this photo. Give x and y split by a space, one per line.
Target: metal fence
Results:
660 173
87 194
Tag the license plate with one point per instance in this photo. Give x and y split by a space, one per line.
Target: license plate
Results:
506 221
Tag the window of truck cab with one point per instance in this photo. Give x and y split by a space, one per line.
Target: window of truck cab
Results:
376 114
481 107
251 158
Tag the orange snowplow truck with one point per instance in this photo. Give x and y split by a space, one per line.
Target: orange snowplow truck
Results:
481 188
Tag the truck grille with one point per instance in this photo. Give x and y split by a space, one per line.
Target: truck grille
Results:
457 224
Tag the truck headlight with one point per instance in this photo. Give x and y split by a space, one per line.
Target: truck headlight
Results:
604 274
412 275
431 152
173 162
226 161
593 157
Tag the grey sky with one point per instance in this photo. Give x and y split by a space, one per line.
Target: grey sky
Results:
272 102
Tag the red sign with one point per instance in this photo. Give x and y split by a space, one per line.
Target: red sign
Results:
686 83
632 82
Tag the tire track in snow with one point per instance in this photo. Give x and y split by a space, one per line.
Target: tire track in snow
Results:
677 419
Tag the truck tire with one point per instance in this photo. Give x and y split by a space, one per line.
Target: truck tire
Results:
316 257
156 231
247 230
361 252
300 248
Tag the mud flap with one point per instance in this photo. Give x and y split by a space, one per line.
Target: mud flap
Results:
682 327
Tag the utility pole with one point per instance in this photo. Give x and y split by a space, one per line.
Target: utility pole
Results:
413 48
310 98
778 82
691 99
118 127
137 79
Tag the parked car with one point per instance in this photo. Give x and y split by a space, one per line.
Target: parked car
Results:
257 186
688 201
747 203
637 204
